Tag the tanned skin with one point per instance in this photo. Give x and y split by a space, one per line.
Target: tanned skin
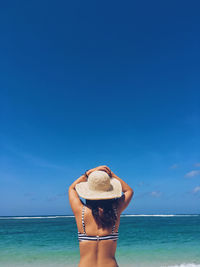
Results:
97 253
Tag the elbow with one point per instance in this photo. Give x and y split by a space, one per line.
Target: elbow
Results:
132 191
70 189
68 192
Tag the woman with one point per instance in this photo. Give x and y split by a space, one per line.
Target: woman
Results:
98 221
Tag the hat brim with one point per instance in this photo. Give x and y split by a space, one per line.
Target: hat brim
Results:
114 192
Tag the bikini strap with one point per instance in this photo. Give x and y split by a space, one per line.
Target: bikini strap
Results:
83 223
113 229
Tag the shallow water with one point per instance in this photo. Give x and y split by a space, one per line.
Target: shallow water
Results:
144 241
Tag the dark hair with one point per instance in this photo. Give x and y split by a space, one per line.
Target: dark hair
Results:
108 217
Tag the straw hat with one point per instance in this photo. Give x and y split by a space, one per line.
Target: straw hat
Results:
99 186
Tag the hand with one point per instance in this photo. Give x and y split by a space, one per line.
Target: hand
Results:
88 172
105 169
100 168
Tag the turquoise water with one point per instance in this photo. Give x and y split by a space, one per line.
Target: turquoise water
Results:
144 241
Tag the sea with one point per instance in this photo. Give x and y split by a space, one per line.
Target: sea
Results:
144 241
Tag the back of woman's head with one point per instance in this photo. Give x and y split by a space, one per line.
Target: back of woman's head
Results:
107 217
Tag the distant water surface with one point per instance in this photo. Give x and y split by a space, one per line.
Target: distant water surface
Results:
144 241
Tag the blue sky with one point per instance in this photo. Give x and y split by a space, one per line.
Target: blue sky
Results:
88 83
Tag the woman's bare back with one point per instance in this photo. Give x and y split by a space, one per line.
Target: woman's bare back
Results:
96 253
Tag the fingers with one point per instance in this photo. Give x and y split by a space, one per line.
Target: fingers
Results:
106 169
101 168
104 166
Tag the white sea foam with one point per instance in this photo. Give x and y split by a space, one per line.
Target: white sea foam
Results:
159 215
36 217
184 265
71 216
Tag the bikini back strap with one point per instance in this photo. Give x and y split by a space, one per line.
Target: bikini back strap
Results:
113 229
83 223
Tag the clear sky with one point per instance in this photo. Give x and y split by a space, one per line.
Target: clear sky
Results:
88 83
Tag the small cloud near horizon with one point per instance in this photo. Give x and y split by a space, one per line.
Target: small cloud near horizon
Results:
192 173
196 189
149 194
140 183
55 197
174 166
155 193
197 164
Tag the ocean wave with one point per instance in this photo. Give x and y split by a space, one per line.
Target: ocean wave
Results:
159 215
184 265
71 216
36 217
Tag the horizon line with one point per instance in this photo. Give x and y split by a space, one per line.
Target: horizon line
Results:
123 215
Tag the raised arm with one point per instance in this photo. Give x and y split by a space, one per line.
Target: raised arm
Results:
127 196
74 199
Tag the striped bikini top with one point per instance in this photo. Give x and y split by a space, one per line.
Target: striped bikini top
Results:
84 236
